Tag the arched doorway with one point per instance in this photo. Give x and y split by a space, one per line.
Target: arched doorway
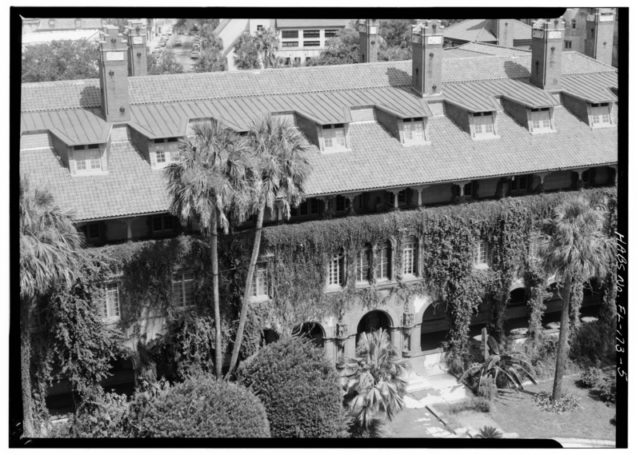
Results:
311 330
435 326
372 321
517 311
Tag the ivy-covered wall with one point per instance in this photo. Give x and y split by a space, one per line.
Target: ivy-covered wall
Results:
297 255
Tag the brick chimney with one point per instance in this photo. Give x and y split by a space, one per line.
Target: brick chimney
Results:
113 76
368 40
137 38
426 64
503 30
599 41
546 53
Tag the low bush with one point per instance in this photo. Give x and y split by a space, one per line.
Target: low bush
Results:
593 344
487 432
101 415
299 387
591 377
606 389
471 404
566 403
200 407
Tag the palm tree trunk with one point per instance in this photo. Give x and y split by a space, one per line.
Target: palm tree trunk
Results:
563 340
216 293
247 290
25 366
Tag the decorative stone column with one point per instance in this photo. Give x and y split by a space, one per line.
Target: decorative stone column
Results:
419 190
340 342
396 204
407 326
351 197
327 210
128 221
540 188
460 194
580 179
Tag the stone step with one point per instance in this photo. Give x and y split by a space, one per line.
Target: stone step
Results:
437 388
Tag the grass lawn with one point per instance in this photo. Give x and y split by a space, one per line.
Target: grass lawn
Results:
518 413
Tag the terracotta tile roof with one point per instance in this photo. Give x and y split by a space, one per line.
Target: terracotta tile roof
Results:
377 160
480 30
131 187
493 49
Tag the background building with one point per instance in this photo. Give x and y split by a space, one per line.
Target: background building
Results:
502 32
299 39
39 31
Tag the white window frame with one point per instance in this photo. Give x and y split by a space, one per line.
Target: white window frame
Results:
409 252
600 115
363 265
481 255
334 137
260 283
110 304
541 120
183 278
335 270
91 162
482 125
413 131
382 263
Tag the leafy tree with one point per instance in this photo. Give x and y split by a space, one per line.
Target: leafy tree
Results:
394 53
166 63
299 388
280 153
342 49
60 60
204 185
575 250
396 32
49 257
211 58
375 381
257 51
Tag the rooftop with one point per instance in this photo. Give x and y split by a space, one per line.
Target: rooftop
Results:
162 105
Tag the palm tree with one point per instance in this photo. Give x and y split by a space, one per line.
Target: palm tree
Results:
280 154
206 183
575 249
375 381
49 256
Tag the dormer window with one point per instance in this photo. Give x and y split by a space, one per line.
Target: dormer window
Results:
600 115
540 120
482 125
413 130
86 159
163 151
334 137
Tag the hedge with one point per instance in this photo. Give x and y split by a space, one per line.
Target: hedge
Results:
299 388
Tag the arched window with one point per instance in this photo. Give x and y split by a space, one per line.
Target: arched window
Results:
382 266
409 252
363 265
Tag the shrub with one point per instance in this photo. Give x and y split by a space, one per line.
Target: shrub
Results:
200 407
591 377
489 433
101 415
471 404
594 344
299 388
566 403
606 389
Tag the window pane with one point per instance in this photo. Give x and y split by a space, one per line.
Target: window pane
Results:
81 165
330 33
362 265
311 34
95 164
382 271
289 44
160 156
289 33
311 43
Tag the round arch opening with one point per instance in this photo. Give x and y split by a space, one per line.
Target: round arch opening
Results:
372 322
311 330
435 327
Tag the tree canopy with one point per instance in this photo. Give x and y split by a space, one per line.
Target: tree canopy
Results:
256 51
60 60
166 63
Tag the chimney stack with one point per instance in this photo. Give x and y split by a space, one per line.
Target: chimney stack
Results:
503 30
427 40
599 41
546 53
368 41
137 37
114 86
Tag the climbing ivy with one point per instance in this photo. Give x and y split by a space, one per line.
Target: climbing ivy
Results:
297 255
